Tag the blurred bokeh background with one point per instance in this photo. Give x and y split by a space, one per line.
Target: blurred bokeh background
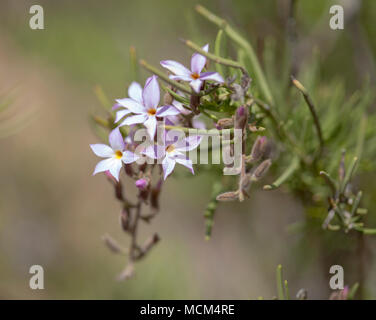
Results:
53 212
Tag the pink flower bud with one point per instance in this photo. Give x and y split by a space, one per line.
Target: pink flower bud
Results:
241 117
142 183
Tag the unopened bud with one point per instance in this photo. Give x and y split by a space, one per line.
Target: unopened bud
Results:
241 117
154 196
124 219
142 183
112 244
194 102
298 85
261 169
225 122
227 196
168 98
128 169
258 148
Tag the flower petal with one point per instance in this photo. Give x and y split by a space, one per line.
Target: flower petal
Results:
116 106
129 157
197 123
176 68
115 168
116 140
171 120
189 143
186 163
138 118
178 105
168 166
196 85
121 114
151 94
132 105
135 92
154 151
215 76
104 165
182 78
198 61
151 126
167 111
102 150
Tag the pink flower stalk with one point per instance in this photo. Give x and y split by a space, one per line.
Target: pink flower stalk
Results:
172 152
115 154
195 76
144 106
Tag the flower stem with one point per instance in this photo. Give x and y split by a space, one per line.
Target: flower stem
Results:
280 290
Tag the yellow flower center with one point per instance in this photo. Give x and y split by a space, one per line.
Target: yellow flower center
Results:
118 154
152 112
170 148
195 76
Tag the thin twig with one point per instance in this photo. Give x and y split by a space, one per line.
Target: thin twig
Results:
311 107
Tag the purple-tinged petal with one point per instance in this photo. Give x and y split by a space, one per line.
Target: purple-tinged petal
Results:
198 124
151 126
176 68
116 140
138 118
182 78
132 105
135 92
104 165
186 163
116 106
198 61
215 76
151 94
178 105
165 111
171 120
168 166
154 151
121 114
196 85
129 157
188 144
102 150
115 168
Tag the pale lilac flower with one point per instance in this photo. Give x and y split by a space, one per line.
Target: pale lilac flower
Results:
172 152
144 106
114 153
195 76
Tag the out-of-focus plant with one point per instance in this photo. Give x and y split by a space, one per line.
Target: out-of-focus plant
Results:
11 120
283 292
302 128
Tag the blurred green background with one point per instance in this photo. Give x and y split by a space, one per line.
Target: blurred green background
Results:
53 212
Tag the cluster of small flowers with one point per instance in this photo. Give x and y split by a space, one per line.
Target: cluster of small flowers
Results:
142 107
